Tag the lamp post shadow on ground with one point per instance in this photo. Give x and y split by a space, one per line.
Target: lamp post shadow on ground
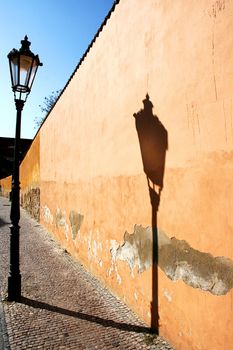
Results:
23 67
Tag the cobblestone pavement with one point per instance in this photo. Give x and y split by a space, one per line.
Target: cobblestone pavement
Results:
62 306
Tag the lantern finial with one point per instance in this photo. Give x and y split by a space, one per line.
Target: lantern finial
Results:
25 44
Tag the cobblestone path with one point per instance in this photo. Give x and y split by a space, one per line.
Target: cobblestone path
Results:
62 306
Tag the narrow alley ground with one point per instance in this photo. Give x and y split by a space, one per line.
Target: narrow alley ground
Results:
62 306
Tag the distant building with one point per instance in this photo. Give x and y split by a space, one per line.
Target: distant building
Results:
7 154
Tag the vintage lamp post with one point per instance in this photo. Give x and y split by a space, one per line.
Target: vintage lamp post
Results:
23 67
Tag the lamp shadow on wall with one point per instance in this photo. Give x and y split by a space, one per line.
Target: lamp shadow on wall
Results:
153 141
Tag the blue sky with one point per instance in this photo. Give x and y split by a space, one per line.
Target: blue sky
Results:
60 32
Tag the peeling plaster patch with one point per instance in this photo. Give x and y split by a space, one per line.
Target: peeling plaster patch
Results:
76 220
60 220
94 247
113 250
136 249
30 200
46 213
119 280
167 295
66 230
177 259
127 253
199 270
89 251
89 254
113 268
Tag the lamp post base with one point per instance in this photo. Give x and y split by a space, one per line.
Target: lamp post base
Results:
14 288
14 277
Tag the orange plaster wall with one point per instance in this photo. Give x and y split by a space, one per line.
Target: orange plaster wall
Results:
194 319
5 186
181 54
30 166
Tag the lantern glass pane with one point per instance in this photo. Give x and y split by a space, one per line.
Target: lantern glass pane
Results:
25 71
14 70
33 73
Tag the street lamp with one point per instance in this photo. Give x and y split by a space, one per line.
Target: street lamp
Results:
23 67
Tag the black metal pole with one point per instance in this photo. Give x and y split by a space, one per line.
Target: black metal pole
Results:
14 278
